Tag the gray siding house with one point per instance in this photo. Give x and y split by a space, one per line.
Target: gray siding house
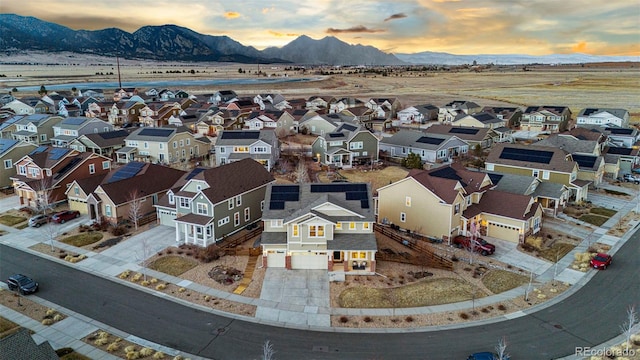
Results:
259 145
432 148
36 129
71 128
346 146
215 203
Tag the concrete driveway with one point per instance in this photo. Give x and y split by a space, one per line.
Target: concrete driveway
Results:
508 253
132 249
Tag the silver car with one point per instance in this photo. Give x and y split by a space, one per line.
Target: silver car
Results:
38 220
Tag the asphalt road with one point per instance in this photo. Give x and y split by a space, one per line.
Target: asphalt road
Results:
589 317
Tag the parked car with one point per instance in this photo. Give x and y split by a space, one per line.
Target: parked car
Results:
38 220
485 356
631 178
636 170
64 216
24 284
480 245
601 261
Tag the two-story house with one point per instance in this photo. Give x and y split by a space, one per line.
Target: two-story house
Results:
10 152
385 108
449 111
19 107
215 203
319 226
473 136
71 128
418 114
127 112
622 137
481 119
348 145
259 145
586 153
127 193
545 119
319 124
511 115
103 143
603 117
542 162
166 145
337 105
432 148
451 200
42 176
36 129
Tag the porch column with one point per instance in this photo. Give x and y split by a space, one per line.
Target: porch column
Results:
178 233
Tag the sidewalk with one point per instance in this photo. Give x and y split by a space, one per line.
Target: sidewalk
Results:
305 307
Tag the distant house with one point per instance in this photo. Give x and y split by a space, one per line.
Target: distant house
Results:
215 203
512 115
261 146
346 146
19 107
36 129
418 114
471 135
450 111
622 137
70 128
103 143
432 148
319 226
481 119
319 124
545 119
319 102
337 105
603 117
385 108
223 96
166 145
10 152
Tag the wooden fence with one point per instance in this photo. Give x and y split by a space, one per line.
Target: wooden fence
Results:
238 239
426 251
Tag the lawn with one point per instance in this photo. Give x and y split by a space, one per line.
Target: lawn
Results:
11 220
594 219
83 239
377 178
498 281
615 192
7 327
603 211
173 265
424 293
557 251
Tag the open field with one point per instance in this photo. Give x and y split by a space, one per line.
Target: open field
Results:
601 85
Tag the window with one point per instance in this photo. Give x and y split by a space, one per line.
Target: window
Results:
107 210
262 205
202 209
247 214
76 190
407 201
22 170
161 146
35 172
184 153
489 167
238 200
355 145
92 169
276 223
316 230
352 226
175 144
230 202
145 145
171 198
260 149
295 231
188 142
222 150
106 165
456 209
241 149
185 203
8 164
403 217
469 200
43 137
223 221
535 173
365 225
181 143
339 226
545 175
236 219
536 223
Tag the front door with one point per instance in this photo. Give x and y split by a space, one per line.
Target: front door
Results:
337 256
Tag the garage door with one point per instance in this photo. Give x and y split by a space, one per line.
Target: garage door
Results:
275 259
310 260
503 232
78 205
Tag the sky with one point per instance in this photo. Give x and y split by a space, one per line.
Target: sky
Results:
534 27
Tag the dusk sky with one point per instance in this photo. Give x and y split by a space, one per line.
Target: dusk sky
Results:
535 27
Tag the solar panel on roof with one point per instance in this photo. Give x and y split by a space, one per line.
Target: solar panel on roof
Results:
446 172
619 151
589 111
276 205
357 195
528 155
127 171
364 203
291 196
621 131
113 134
466 131
155 132
74 121
585 160
349 127
284 188
236 135
39 149
194 172
430 140
66 168
337 187
336 135
57 153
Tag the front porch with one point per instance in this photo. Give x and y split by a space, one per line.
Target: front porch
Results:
195 229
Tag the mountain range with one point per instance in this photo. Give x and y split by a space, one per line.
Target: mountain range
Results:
176 43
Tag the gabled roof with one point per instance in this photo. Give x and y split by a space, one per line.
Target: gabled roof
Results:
46 157
462 132
245 137
483 117
513 206
161 134
506 111
417 139
233 179
76 122
531 157
462 104
444 181
569 143
150 179
583 133
6 145
556 110
620 113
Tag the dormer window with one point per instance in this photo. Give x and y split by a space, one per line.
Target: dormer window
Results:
171 198
316 230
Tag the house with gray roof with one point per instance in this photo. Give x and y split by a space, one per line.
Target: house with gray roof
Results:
103 143
319 124
260 145
346 146
449 111
622 137
587 153
603 117
432 148
319 226
10 152
552 197
165 145
70 128
212 204
512 115
418 114
481 119
545 119
474 136
21 346
36 129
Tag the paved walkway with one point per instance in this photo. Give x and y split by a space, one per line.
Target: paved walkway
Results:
295 299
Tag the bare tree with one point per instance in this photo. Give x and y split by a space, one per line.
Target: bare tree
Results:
135 207
501 349
144 255
301 173
627 327
44 205
268 353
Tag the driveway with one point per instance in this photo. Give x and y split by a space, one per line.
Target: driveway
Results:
508 253
143 245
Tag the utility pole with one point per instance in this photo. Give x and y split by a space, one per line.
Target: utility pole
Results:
119 80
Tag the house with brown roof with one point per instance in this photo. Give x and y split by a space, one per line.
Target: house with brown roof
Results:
543 162
215 203
44 174
103 143
385 108
481 119
446 201
109 197
512 115
545 119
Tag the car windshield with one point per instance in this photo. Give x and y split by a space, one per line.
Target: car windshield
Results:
483 241
23 280
600 258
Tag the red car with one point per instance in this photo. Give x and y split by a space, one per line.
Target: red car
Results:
64 216
480 245
601 261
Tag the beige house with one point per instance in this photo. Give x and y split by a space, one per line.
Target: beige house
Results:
446 201
10 152
166 145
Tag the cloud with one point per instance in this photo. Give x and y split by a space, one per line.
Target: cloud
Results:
354 29
268 10
396 16
231 15
279 34
580 47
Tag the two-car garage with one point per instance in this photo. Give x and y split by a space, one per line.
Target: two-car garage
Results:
310 260
504 232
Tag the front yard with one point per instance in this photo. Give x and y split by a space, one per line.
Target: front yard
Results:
590 213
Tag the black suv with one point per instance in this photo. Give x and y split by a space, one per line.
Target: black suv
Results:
24 284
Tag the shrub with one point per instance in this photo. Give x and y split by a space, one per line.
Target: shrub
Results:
103 335
125 274
144 283
367 319
137 277
153 281
47 322
161 287
118 230
210 253
502 307
178 357
146 351
101 342
130 348
64 351
464 316
484 310
158 355
57 317
133 355
182 290
454 258
408 319
344 319
68 258
50 312
114 346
